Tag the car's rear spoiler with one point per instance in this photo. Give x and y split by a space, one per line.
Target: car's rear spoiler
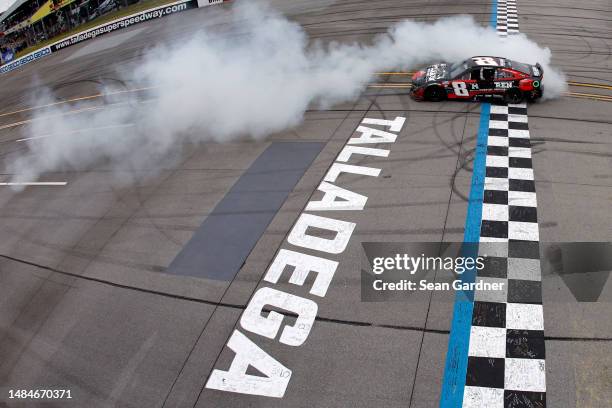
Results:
539 67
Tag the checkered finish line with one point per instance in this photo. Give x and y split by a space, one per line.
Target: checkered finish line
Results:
506 366
507 18
506 355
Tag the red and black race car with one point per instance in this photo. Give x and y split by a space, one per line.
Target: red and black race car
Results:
478 77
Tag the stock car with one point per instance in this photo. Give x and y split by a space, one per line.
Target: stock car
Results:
477 77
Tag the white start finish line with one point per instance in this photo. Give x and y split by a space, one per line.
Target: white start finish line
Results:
36 183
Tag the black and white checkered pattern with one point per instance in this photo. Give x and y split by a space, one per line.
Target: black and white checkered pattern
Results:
506 366
506 356
507 18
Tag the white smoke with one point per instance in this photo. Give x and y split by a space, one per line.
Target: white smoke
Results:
215 88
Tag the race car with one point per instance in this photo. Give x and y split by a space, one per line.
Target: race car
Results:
477 77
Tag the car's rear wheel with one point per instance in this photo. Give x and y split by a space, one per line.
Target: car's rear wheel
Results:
534 95
514 95
435 94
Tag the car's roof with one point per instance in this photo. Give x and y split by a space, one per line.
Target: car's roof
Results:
488 61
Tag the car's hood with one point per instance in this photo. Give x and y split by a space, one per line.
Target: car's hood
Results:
432 73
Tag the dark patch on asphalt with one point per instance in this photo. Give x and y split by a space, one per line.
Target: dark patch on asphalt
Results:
222 243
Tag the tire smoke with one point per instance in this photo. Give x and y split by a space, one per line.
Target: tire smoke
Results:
215 88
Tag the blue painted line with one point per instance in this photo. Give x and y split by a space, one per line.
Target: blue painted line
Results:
459 338
455 370
493 17
474 212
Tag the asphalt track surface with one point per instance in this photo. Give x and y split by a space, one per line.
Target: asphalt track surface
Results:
87 302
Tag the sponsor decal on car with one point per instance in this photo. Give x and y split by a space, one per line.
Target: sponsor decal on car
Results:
503 84
435 72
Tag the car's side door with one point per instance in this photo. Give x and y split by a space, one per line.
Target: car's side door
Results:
486 79
462 87
504 79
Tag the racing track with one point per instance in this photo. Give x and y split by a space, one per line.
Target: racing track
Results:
87 301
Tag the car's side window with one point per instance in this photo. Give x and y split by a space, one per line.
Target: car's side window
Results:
503 74
488 74
463 77
475 75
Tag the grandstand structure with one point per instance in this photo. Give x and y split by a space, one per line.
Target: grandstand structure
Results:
26 23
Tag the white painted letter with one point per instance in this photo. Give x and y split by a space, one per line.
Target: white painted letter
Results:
337 168
348 150
268 326
369 135
348 199
336 245
237 380
394 125
303 264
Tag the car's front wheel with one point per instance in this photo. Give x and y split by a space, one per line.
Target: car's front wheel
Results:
435 94
514 95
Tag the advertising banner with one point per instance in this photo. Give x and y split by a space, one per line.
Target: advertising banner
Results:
7 56
124 22
33 56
